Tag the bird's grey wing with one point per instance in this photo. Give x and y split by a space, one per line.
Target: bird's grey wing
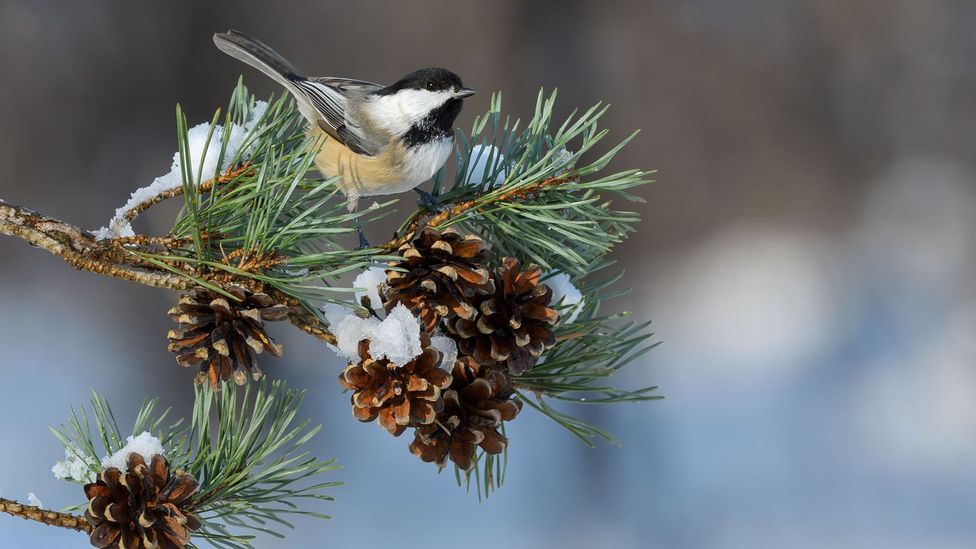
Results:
330 102
347 85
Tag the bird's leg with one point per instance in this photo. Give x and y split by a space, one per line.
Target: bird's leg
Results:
428 201
363 243
352 200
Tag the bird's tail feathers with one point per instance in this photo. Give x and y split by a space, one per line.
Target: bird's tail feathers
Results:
257 54
260 56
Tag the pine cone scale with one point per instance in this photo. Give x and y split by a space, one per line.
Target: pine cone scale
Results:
468 248
479 277
104 535
423 413
478 391
401 412
501 347
183 340
485 325
493 443
448 271
180 491
218 340
275 313
252 315
416 385
387 420
365 414
540 312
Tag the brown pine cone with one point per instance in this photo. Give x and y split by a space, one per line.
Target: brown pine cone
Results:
223 335
443 273
145 507
475 406
398 396
514 326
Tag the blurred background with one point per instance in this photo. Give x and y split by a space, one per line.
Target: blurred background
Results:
807 256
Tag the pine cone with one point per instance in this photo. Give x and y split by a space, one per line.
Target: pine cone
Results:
399 397
475 406
514 325
223 335
444 272
143 508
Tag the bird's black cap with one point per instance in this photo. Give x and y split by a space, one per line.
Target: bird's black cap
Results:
433 79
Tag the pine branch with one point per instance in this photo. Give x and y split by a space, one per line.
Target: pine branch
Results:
79 248
115 258
44 516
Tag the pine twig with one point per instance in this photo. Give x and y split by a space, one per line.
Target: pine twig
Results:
45 516
204 187
514 193
302 319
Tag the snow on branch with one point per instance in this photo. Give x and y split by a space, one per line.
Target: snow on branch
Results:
204 156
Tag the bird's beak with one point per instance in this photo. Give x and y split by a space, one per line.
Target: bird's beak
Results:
464 92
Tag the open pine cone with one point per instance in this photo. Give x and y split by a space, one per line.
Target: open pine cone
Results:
514 325
398 396
475 406
145 507
444 272
223 335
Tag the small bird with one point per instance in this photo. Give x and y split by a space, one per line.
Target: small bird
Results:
380 139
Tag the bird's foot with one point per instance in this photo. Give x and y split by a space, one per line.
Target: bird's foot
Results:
363 243
429 202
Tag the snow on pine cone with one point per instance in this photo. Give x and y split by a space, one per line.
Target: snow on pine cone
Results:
223 335
475 406
144 507
444 272
514 325
398 396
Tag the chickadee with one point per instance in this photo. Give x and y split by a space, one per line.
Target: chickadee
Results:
380 139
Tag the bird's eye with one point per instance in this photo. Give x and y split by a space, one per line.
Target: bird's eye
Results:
431 85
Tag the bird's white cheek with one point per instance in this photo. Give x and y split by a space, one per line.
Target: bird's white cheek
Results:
398 112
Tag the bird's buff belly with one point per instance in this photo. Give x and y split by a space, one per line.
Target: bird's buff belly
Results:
385 173
370 175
